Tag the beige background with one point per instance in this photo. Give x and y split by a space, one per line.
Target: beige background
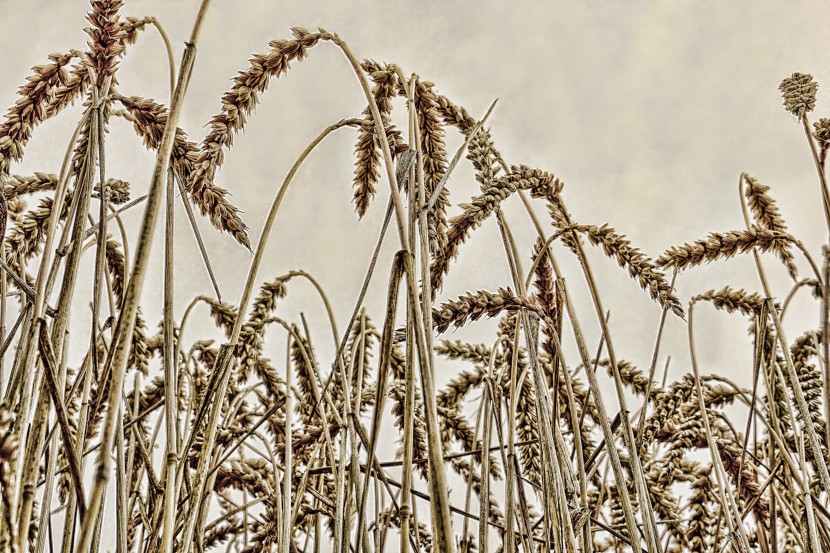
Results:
648 111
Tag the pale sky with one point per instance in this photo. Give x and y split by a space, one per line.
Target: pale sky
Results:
648 111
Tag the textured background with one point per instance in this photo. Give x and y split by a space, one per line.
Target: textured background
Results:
648 111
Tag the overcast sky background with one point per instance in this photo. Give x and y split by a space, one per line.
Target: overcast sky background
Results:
648 111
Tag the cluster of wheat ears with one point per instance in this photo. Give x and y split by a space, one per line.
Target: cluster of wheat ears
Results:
202 446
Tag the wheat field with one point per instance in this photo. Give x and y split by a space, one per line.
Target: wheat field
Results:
141 412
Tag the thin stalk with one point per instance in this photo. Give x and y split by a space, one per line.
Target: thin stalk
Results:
171 399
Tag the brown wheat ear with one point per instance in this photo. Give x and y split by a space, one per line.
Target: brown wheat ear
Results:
367 164
471 307
799 93
766 214
639 266
729 300
107 36
148 119
721 245
240 101
541 185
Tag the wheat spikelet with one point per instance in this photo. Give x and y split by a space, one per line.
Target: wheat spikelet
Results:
691 434
306 382
721 245
15 208
799 93
118 191
240 101
766 214
471 306
731 300
482 154
17 185
149 119
640 266
224 314
540 184
740 469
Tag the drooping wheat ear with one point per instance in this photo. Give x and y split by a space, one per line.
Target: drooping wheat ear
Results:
667 406
397 393
810 378
471 306
249 345
107 37
799 93
306 382
748 303
224 314
30 108
76 85
367 164
25 239
632 377
455 115
240 101
541 184
140 348
149 119
562 219
702 504
721 245
17 185
251 475
548 299
434 153
527 430
118 191
485 159
741 469
474 353
766 214
640 266
458 388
